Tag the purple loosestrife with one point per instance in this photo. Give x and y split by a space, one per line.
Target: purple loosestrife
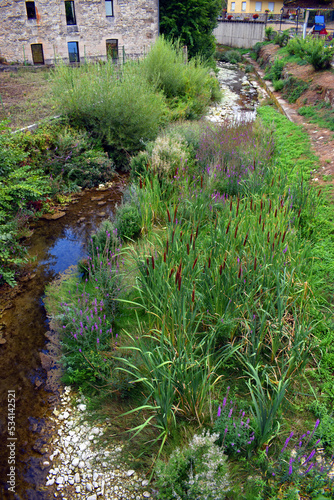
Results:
286 442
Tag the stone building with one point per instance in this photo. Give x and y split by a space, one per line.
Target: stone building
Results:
40 31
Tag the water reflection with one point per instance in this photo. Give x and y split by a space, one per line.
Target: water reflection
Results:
54 246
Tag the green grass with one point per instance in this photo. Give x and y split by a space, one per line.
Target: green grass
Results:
322 114
26 96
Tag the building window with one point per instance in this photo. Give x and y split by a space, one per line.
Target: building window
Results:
70 13
37 53
258 6
243 6
112 49
109 8
271 6
31 11
232 6
73 52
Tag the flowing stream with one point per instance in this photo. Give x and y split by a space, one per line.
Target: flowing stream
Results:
56 245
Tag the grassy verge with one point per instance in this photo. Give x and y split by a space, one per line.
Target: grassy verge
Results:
215 318
26 96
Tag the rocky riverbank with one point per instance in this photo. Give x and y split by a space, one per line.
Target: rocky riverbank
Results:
83 466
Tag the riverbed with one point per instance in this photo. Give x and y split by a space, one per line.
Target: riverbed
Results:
55 245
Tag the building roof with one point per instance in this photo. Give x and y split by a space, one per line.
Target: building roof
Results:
309 4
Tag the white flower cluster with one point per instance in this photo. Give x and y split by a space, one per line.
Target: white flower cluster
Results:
211 479
168 154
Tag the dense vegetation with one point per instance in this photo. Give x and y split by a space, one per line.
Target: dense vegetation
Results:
202 309
191 22
103 124
214 318
317 52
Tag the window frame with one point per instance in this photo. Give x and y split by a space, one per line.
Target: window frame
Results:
273 6
31 10
243 6
257 5
112 42
111 4
232 6
77 60
70 20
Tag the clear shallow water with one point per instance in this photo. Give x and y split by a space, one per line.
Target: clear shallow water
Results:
55 245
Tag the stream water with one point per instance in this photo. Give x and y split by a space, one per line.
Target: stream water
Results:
56 245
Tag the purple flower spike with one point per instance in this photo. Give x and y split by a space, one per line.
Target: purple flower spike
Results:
219 411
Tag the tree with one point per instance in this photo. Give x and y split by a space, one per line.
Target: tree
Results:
191 22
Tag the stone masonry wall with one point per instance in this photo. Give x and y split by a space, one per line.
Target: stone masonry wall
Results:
134 24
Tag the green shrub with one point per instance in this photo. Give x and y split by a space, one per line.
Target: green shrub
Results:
231 56
295 46
118 106
128 221
294 88
257 49
319 54
189 82
275 70
313 50
269 33
278 85
66 154
22 187
196 472
281 39
236 436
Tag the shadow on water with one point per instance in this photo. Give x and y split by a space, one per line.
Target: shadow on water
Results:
55 245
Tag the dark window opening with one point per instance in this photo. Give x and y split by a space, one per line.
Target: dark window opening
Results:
112 49
73 52
31 11
37 53
109 8
70 13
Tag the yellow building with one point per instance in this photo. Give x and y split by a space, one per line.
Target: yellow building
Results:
253 7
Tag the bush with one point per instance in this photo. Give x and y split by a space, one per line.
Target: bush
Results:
196 472
257 49
278 85
66 154
231 56
319 54
128 221
189 82
269 32
313 50
294 88
281 39
275 70
118 106
22 187
236 436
